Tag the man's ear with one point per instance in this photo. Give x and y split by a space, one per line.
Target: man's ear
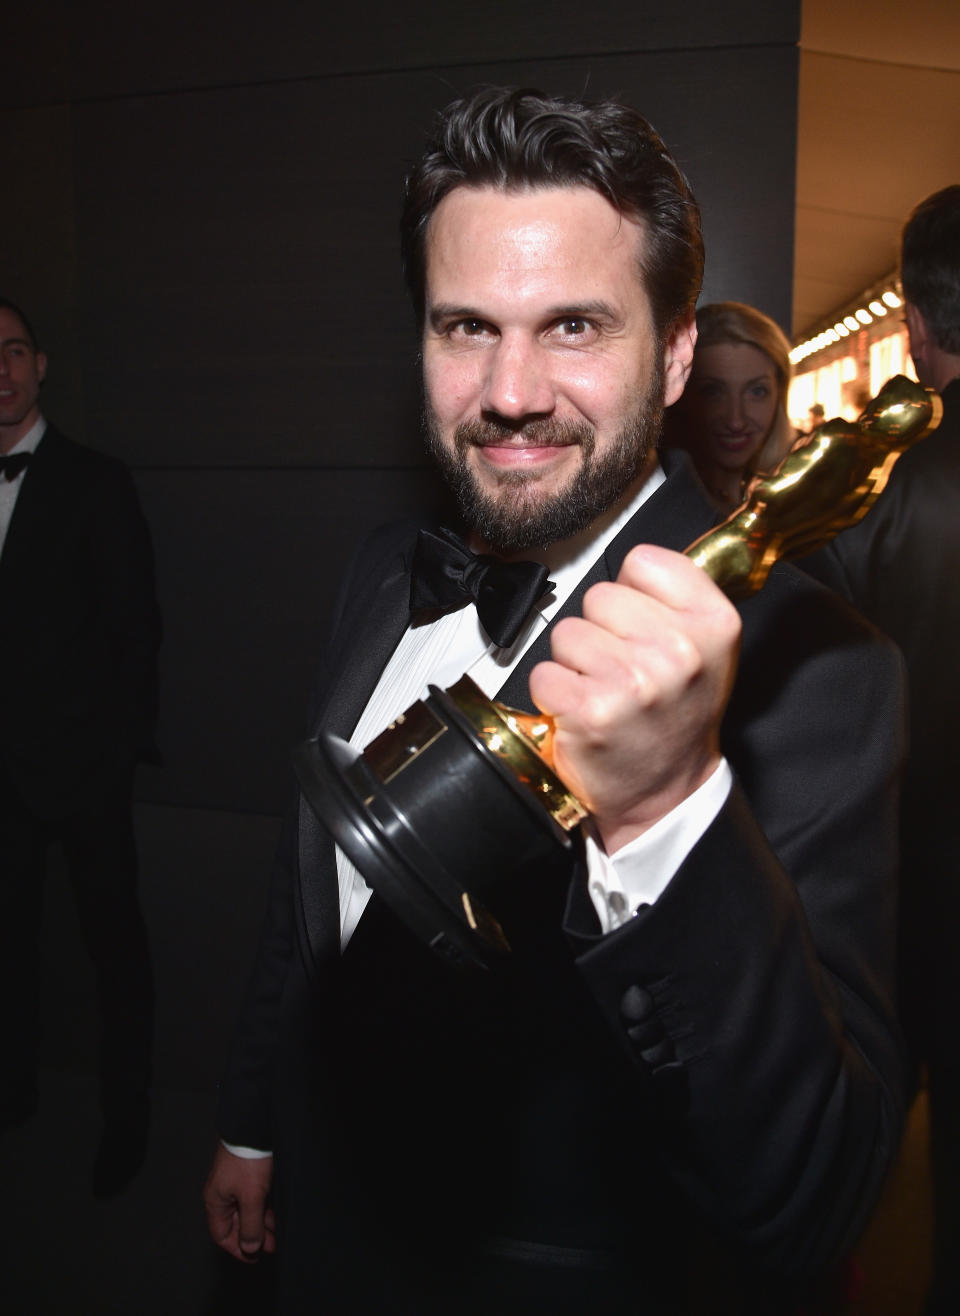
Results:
678 358
919 336
41 366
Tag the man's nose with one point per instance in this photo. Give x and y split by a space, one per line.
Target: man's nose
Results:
518 381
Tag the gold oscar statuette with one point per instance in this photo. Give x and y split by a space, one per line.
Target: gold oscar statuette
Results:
827 482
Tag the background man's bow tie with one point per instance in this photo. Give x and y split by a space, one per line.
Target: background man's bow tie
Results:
12 465
445 575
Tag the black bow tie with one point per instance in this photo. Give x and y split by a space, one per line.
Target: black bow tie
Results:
445 575
12 466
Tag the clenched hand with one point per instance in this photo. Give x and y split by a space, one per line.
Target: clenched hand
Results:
637 689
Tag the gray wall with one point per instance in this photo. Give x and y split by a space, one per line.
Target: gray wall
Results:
200 214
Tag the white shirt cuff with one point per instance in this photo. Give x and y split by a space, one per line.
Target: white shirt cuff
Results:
641 871
245 1153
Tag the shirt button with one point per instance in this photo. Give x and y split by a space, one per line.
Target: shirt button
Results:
619 909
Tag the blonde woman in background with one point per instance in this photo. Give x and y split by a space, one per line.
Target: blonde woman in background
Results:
732 417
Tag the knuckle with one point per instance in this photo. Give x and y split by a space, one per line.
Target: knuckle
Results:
601 713
639 557
685 655
564 630
728 624
641 688
598 597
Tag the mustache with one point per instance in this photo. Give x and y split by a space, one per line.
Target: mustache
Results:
545 432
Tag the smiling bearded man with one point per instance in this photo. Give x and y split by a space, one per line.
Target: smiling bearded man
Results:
699 1038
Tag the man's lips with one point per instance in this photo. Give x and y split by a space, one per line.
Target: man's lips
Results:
528 446
521 441
522 453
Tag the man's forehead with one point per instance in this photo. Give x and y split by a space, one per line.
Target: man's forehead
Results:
530 197
528 227
12 328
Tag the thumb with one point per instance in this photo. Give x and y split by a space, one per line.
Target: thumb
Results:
251 1228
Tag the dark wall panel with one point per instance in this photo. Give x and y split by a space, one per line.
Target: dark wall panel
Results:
104 48
248 563
38 242
204 881
243 287
204 878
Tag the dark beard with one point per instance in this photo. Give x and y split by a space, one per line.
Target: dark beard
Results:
516 519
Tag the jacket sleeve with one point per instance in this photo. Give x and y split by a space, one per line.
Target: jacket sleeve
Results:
755 997
244 1107
284 973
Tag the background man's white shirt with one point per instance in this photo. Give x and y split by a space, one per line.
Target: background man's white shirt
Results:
10 489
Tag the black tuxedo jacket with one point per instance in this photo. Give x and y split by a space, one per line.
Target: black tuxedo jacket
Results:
79 631
762 1029
900 566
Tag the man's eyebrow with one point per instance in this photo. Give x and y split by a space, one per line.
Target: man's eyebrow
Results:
597 310
16 342
448 311
594 310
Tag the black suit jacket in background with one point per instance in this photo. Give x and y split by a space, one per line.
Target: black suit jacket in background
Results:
79 631
901 567
769 1084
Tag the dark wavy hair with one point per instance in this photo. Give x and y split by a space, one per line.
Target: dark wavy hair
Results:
930 265
514 139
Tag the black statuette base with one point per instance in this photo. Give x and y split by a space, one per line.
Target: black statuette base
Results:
436 825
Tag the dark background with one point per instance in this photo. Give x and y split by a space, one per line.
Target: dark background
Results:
199 212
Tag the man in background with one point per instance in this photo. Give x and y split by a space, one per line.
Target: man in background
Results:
901 568
79 633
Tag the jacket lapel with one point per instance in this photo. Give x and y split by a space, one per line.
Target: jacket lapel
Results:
672 517
515 690
364 643
372 625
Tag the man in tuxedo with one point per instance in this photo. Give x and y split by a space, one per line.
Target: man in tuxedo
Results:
900 567
79 632
691 1049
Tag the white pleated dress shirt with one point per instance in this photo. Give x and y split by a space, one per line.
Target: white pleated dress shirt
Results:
441 652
